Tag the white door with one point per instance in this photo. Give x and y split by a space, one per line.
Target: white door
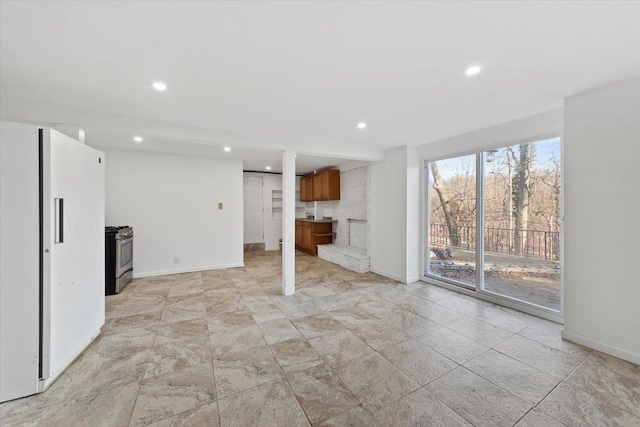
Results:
76 243
253 210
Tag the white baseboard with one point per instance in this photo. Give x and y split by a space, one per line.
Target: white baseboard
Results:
389 275
186 270
413 279
600 346
46 383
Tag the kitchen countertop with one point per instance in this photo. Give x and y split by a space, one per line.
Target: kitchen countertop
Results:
317 220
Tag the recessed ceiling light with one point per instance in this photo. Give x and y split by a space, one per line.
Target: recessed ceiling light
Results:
159 86
473 70
227 148
268 168
137 139
361 125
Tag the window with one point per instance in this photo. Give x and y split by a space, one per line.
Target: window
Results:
513 195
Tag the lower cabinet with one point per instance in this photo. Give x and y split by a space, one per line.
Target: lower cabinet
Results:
298 233
311 234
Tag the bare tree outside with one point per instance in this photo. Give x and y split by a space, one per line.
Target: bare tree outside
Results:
522 221
523 193
452 213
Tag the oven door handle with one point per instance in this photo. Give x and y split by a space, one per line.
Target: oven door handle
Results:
119 244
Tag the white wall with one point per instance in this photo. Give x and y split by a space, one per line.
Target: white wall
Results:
602 219
394 220
537 126
19 262
172 203
413 215
353 203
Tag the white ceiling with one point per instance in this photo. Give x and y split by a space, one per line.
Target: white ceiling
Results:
253 159
265 76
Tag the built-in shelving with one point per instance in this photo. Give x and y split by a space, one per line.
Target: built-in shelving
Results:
276 205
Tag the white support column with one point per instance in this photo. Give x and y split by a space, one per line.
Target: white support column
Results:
288 222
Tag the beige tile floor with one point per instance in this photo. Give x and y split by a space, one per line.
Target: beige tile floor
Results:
225 348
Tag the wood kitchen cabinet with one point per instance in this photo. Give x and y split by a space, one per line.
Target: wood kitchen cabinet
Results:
317 187
298 234
321 186
306 189
303 189
310 234
330 185
309 184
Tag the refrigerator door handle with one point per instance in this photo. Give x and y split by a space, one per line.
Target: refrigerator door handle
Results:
59 220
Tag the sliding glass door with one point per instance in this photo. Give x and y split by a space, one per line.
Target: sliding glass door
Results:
512 194
451 243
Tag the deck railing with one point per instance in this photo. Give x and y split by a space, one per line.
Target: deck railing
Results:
531 243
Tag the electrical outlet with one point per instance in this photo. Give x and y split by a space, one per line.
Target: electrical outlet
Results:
176 260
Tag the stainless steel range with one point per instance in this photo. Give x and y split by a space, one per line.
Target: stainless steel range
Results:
118 258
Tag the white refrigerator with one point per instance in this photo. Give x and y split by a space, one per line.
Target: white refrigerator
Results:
51 255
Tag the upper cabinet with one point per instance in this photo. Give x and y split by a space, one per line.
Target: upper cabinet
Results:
303 189
330 185
317 187
321 186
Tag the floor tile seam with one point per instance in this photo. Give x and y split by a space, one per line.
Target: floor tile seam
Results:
471 316
183 320
501 388
453 409
414 379
444 355
218 399
135 401
230 348
213 370
449 308
430 302
423 298
351 390
330 417
519 330
359 405
564 381
156 334
191 409
105 388
558 381
561 379
356 335
582 358
270 350
533 404
424 387
587 351
524 415
475 340
537 406
385 321
286 380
